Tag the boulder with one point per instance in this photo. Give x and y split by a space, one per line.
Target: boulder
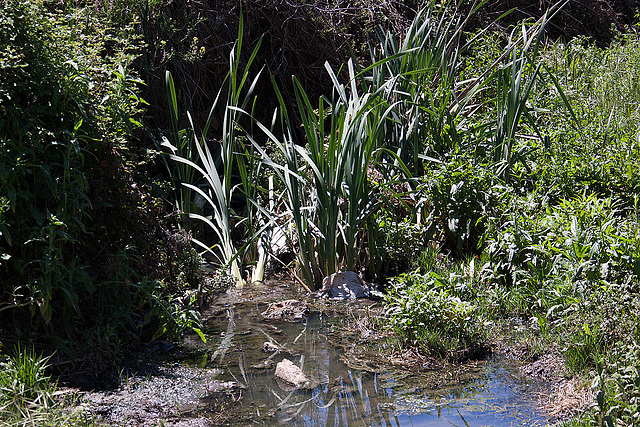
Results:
291 310
345 285
289 373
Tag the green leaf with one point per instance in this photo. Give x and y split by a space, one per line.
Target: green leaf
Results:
11 192
200 334
159 332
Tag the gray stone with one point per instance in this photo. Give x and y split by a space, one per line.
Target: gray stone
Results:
290 374
345 285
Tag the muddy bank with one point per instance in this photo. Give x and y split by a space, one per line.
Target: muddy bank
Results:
173 394
567 395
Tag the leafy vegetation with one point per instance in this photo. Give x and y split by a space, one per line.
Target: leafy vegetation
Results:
428 312
559 236
495 174
78 239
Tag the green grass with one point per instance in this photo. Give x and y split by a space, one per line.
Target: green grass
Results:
28 395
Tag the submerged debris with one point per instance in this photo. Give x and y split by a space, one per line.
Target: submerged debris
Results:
269 347
223 387
265 364
291 310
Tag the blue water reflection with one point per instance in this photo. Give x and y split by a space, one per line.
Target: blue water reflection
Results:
483 393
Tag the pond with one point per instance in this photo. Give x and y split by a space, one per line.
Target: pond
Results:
349 383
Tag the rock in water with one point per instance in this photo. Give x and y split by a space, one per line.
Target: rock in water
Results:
345 285
291 310
289 373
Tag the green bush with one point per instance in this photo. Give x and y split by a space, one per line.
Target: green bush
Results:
399 243
44 145
426 313
625 384
574 267
78 226
580 241
461 195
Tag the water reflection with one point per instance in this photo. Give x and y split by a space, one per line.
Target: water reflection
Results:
483 393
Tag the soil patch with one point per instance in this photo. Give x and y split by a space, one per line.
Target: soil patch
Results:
174 395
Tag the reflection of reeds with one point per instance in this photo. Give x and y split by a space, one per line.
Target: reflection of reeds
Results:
226 342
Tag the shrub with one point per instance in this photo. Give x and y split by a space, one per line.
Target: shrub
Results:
426 313
580 241
76 221
398 244
461 196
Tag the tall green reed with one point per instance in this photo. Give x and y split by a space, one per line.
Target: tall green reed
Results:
327 191
514 83
380 115
216 167
420 73
180 172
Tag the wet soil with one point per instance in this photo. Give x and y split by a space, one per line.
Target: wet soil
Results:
567 395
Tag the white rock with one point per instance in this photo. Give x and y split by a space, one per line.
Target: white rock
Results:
269 347
345 285
288 372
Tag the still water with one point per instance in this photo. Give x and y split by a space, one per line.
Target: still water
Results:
349 383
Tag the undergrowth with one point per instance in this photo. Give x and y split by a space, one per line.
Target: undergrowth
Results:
88 262
557 238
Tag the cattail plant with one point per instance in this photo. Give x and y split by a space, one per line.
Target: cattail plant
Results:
216 168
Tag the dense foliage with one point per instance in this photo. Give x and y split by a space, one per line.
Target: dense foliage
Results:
558 236
494 174
77 227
